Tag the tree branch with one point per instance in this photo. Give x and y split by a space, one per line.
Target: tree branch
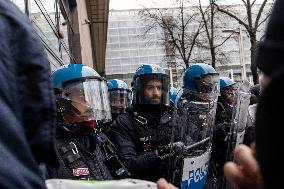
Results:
259 14
264 20
244 2
253 2
194 40
233 16
229 37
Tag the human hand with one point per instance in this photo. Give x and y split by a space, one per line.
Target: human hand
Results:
245 173
169 150
163 184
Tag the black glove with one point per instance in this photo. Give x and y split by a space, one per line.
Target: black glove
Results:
169 150
177 147
163 152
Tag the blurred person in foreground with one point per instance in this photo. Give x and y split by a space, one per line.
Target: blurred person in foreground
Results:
27 106
257 168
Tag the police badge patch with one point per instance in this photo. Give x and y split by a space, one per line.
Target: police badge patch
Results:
81 172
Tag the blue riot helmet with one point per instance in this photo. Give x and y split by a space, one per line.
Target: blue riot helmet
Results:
120 95
200 80
228 89
173 95
150 86
83 94
226 82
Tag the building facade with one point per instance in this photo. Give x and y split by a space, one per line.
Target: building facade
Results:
127 48
72 31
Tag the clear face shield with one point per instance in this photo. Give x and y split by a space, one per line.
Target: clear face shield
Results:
84 100
151 89
119 100
229 94
207 88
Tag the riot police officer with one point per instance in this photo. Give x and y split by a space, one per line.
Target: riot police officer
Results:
226 100
141 133
194 121
83 152
224 113
231 118
120 97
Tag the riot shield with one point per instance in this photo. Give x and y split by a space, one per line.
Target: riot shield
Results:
238 124
251 114
193 123
240 115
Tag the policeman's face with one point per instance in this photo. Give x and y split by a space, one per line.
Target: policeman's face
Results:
117 102
153 91
230 93
77 100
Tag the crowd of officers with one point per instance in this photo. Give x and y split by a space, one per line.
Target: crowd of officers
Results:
107 130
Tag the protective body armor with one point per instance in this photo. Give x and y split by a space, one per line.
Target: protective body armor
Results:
137 136
153 134
86 156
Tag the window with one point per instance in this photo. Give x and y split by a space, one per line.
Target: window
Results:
133 53
124 53
132 38
123 39
113 39
131 30
122 24
123 31
123 45
133 45
144 60
112 32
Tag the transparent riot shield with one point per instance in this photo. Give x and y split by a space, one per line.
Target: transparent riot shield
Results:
193 123
240 115
251 114
239 120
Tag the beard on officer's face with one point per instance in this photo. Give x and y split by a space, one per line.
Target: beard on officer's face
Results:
155 100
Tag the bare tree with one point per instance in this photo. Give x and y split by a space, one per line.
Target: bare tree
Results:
180 35
212 34
251 23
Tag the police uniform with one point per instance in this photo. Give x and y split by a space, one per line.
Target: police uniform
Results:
83 151
136 141
80 156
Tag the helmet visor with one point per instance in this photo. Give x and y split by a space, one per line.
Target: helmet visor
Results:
151 89
229 94
207 83
119 100
207 89
85 100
